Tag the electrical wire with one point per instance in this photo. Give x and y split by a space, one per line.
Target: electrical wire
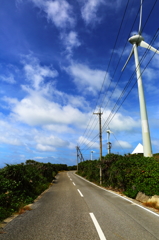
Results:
120 76
109 62
111 116
109 119
117 141
81 143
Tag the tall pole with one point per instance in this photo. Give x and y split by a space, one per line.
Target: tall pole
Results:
100 140
144 119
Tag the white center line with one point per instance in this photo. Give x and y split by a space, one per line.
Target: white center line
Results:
156 214
74 184
71 179
80 192
98 228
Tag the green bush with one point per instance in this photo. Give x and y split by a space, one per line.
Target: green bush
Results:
90 170
129 173
22 183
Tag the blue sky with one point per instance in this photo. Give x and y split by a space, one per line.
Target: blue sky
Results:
60 60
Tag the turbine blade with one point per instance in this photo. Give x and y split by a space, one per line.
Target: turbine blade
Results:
140 22
146 45
130 55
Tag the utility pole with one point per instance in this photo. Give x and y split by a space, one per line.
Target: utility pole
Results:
100 140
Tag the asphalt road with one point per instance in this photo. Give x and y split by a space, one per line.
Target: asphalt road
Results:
76 209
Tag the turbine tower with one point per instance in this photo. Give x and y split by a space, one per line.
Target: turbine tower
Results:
138 40
109 145
92 154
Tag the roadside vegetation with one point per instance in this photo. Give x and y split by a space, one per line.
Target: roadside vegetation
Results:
129 174
20 184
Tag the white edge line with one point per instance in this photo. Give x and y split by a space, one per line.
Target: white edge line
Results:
119 196
80 192
97 226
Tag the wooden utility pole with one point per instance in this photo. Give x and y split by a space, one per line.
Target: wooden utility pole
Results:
100 140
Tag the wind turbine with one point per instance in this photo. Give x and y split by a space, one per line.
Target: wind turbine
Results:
108 143
138 40
92 154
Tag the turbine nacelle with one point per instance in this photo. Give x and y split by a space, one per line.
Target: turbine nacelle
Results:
136 39
108 131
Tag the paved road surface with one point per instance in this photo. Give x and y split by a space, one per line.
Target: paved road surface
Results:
75 209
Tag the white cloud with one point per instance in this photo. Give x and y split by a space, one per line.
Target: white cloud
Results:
122 144
89 10
86 79
37 110
124 54
9 79
39 157
35 73
59 128
70 41
59 12
7 139
8 134
121 122
51 141
10 101
85 141
150 74
45 148
44 105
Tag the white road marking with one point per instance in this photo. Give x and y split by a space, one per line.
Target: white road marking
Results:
119 196
97 226
71 179
74 184
80 192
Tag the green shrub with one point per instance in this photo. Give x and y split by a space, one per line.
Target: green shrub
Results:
129 173
22 183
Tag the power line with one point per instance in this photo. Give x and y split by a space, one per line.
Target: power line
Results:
117 141
111 116
110 61
109 65
123 92
109 119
